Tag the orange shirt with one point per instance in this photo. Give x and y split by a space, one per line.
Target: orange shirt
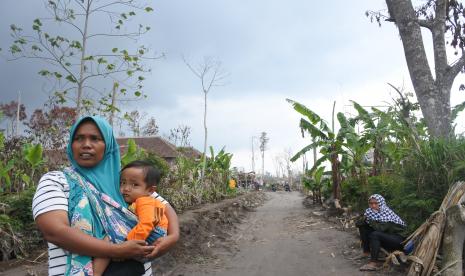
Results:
144 208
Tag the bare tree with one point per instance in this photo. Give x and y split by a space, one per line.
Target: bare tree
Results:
150 128
180 136
13 112
278 166
263 144
78 69
287 155
444 19
253 152
210 74
134 119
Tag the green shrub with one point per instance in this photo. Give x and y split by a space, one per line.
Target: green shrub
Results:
158 162
353 194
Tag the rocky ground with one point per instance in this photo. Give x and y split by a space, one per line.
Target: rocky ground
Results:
257 233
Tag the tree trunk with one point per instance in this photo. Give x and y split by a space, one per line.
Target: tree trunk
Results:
335 176
83 64
452 244
205 138
113 102
263 165
433 95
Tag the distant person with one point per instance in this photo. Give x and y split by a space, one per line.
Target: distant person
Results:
232 184
287 188
139 180
379 227
256 185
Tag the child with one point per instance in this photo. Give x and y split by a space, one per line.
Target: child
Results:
138 183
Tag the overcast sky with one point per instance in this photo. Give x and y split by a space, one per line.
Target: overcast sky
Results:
314 52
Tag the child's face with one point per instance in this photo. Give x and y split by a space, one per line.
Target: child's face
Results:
133 186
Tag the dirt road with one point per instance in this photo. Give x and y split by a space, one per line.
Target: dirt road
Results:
280 238
240 236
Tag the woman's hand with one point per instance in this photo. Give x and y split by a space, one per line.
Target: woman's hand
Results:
132 249
54 225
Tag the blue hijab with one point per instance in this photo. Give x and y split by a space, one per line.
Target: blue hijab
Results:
105 175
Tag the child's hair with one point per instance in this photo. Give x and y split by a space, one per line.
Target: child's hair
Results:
152 174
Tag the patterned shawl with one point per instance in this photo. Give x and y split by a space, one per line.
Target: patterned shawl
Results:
385 214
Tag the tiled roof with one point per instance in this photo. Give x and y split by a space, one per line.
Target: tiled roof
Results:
155 144
190 152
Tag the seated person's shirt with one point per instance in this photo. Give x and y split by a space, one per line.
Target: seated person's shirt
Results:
52 194
144 208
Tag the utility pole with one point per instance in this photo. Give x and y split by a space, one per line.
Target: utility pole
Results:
17 114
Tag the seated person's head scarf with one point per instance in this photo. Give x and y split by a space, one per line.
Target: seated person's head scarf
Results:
385 214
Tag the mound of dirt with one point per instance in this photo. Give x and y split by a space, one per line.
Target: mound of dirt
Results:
206 228
203 229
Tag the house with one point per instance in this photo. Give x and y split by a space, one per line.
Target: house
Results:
154 144
190 152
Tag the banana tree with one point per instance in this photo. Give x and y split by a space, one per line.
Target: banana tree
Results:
219 163
316 183
324 138
33 155
376 129
5 167
133 153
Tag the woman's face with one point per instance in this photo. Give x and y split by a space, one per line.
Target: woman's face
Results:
373 204
88 145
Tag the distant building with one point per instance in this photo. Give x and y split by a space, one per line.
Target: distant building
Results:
160 147
190 152
155 145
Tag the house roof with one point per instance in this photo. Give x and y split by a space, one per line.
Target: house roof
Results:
154 144
190 152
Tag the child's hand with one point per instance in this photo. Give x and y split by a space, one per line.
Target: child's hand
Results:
160 245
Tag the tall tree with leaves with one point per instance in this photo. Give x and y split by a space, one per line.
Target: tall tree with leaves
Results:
211 74
444 19
87 60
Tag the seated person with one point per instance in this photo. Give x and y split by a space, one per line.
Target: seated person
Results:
139 180
380 227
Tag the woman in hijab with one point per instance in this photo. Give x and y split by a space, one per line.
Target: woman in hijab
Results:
380 227
63 213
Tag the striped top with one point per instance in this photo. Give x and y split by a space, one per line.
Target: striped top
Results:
52 194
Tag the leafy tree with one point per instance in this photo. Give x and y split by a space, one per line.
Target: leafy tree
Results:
50 127
86 59
444 20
